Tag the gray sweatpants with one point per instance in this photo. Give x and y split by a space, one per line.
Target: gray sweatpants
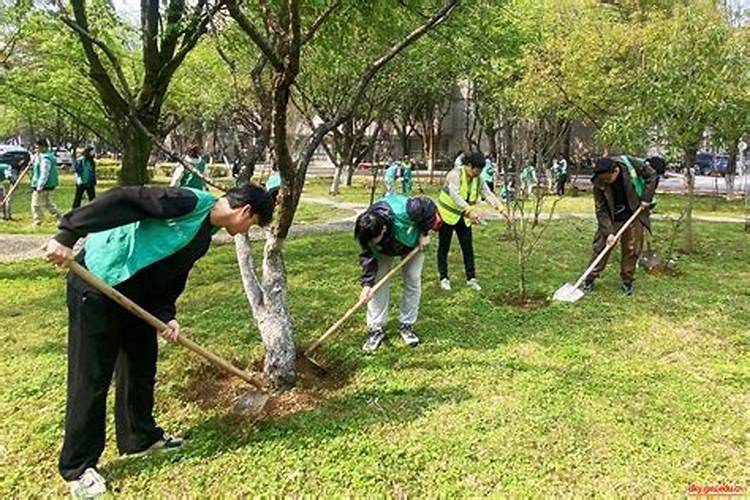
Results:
377 308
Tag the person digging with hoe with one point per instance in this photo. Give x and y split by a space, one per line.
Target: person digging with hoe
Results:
143 242
621 185
393 227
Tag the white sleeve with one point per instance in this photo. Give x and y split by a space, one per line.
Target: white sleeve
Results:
44 168
453 181
177 176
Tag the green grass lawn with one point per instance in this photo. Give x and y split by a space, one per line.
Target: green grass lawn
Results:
65 193
638 396
671 204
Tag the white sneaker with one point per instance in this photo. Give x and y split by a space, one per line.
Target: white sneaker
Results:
474 284
166 443
90 484
445 284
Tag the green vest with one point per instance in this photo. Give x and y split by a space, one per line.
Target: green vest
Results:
469 191
117 254
273 181
190 180
636 179
405 231
6 172
36 171
87 171
488 172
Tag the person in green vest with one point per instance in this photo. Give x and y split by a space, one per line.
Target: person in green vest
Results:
621 185
6 181
561 175
461 192
143 241
395 171
43 183
488 174
273 184
393 227
183 177
528 179
85 170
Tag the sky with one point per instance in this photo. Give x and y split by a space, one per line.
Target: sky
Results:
130 9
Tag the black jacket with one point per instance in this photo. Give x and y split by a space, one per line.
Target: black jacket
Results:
422 211
155 287
604 197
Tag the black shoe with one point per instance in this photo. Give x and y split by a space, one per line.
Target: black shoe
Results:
375 337
588 286
407 333
627 287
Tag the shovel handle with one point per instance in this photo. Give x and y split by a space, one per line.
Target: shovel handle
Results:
158 324
6 199
607 248
360 303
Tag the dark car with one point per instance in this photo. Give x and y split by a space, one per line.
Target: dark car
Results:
721 162
704 163
16 156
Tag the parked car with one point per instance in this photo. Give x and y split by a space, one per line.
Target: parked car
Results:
63 156
721 162
16 156
704 163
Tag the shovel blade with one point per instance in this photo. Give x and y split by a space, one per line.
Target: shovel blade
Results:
567 293
251 403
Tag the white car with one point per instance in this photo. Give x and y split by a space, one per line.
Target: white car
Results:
63 157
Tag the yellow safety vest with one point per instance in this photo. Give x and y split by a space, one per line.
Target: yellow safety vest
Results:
469 191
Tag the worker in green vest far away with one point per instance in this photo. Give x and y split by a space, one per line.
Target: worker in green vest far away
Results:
273 184
488 174
6 181
528 179
399 170
621 185
143 241
182 177
461 192
560 170
85 176
43 183
393 227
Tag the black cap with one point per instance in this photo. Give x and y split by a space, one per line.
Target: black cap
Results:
604 165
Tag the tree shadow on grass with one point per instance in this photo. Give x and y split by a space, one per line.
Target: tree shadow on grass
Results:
349 414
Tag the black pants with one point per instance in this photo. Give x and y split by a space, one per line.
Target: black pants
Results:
467 248
102 336
560 190
90 192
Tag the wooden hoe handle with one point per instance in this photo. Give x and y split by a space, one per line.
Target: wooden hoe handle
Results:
158 324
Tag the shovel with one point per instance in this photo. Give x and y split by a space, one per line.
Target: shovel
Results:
250 403
571 293
354 308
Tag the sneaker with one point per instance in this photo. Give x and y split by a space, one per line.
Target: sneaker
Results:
445 284
588 286
90 484
627 287
375 337
407 333
474 284
166 443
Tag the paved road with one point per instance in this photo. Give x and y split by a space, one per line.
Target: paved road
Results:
673 183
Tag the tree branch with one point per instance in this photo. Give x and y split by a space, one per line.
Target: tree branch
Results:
255 36
319 21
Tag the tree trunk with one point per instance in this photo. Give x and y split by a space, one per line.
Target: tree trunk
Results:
731 171
136 150
334 191
270 308
492 139
690 153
